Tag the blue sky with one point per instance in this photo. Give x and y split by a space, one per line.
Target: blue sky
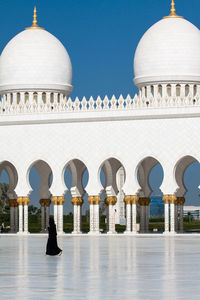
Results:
101 37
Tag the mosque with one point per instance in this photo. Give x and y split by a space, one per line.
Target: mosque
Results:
124 138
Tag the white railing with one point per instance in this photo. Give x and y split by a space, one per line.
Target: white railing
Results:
98 104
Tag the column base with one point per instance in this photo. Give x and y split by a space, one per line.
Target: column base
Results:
166 233
169 233
60 232
134 232
94 233
76 232
23 233
127 232
111 233
20 232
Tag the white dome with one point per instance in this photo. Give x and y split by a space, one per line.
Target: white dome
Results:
35 59
168 52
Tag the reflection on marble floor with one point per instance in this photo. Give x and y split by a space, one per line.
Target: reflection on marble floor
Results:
101 268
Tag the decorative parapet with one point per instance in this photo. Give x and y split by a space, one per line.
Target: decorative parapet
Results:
64 105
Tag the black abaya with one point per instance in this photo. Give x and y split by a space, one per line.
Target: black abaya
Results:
52 246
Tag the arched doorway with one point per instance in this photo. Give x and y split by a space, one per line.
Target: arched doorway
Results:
40 179
150 205
76 207
112 177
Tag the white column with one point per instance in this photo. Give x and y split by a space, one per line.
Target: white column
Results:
91 218
181 218
176 217
60 219
142 218
146 218
134 218
75 224
94 214
12 219
111 224
20 205
166 218
172 219
128 218
77 202
42 216
96 218
55 210
26 218
47 217
16 219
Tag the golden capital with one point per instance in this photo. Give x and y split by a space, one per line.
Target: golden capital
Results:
166 199
20 200
111 200
180 200
131 199
55 200
77 201
47 202
95 200
42 202
144 201
128 199
169 199
12 202
16 204
26 200
60 200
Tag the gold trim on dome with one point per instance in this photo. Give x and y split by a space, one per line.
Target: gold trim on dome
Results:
173 12
34 25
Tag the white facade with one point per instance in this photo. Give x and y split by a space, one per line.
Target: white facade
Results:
44 128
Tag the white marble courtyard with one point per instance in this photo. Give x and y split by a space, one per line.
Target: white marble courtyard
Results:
101 268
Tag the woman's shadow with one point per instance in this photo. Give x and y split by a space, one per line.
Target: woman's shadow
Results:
52 246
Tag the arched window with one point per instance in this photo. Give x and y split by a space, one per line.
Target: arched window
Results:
152 90
160 90
178 90
187 90
35 97
44 97
52 98
169 90
195 90
18 98
26 97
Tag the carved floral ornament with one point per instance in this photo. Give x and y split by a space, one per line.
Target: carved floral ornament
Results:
169 199
94 200
111 200
57 200
131 199
23 200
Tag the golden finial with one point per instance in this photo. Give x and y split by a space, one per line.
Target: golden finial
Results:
34 25
173 11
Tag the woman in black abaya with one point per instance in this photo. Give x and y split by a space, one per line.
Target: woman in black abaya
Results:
52 246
